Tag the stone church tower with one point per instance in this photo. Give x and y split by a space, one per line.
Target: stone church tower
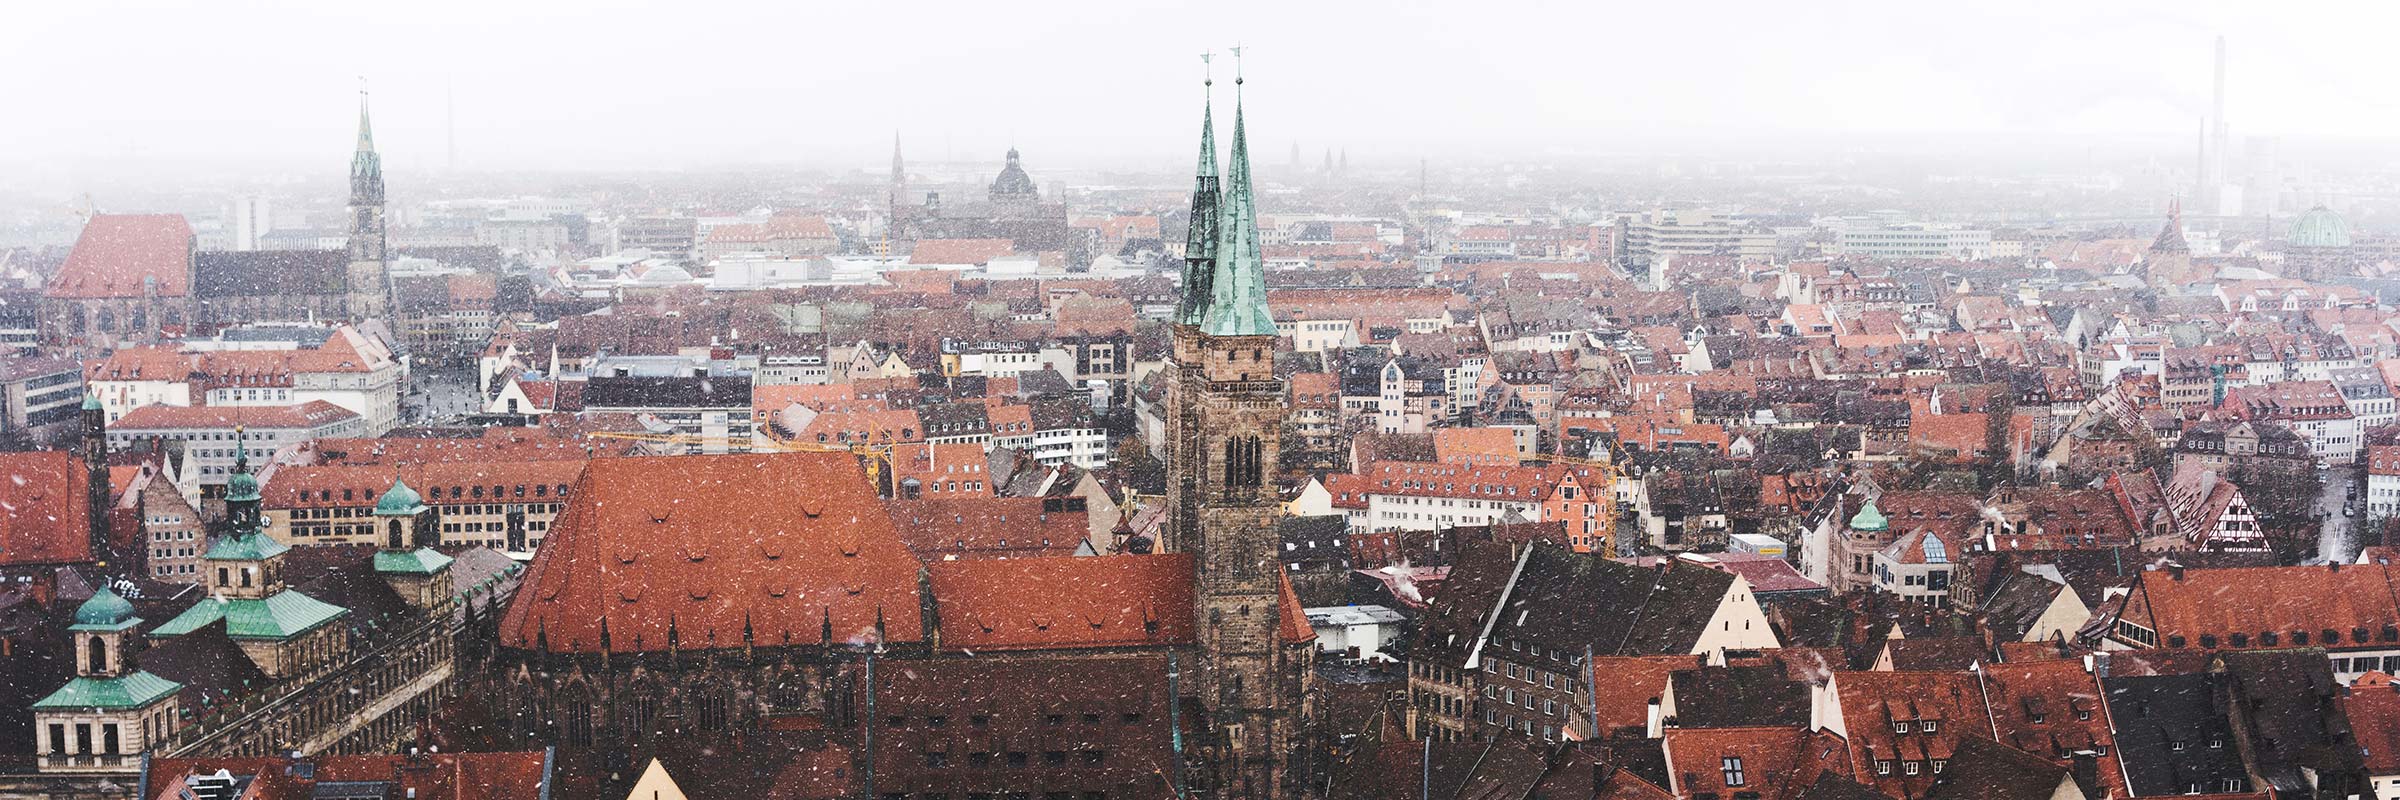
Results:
1225 410
369 276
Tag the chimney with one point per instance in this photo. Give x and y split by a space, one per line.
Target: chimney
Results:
2174 571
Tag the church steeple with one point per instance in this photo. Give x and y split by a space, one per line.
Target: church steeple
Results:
1238 292
1200 245
366 165
370 290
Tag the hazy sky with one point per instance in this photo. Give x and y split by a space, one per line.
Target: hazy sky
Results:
602 84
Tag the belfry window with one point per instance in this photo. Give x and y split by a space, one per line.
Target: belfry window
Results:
1243 467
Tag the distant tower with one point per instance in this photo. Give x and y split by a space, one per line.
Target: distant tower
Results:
1225 410
1343 168
1013 191
92 447
899 188
370 280
1328 168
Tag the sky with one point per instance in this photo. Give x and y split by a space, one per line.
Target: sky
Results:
607 85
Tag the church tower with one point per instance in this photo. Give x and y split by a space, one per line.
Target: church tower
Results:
1225 411
898 201
92 449
370 282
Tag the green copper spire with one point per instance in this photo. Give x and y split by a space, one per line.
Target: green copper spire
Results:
366 166
1238 292
1200 247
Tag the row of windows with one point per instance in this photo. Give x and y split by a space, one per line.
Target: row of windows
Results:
2328 636
1017 758
985 720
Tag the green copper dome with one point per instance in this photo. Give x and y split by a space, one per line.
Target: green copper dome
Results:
1869 519
106 609
2320 227
241 488
91 402
400 501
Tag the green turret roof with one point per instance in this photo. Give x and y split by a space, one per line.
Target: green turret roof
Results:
1869 519
282 616
241 488
91 402
106 610
123 692
421 561
399 501
1200 242
1238 292
240 546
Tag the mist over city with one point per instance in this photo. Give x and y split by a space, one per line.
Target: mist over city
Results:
1247 401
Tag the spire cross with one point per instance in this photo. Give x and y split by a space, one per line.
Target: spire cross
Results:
1237 65
1208 71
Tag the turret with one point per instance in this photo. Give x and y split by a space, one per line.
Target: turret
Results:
1200 242
369 294
105 718
404 556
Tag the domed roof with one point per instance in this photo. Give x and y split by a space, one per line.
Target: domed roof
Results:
241 488
91 402
399 501
2320 227
1869 519
105 609
1013 182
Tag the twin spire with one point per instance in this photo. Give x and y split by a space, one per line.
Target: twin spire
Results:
1224 275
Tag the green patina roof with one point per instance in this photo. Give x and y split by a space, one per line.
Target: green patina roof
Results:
399 501
104 611
91 402
1869 519
421 561
252 546
1200 243
242 487
282 616
1238 293
130 691
2320 227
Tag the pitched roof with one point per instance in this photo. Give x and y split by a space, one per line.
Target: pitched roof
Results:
1048 603
126 255
42 510
269 273
277 617
982 526
490 776
824 555
2355 602
302 416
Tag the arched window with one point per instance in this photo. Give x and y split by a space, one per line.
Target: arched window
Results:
578 718
1243 469
99 655
392 538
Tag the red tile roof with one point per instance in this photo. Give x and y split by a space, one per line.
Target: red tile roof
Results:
1046 603
439 482
2346 600
1634 682
311 414
42 511
1772 759
127 255
690 542
2050 707
943 528
960 251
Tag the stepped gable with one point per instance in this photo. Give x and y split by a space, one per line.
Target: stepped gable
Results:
708 546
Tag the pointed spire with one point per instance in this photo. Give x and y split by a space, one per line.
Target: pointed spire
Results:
1200 245
1238 292
366 132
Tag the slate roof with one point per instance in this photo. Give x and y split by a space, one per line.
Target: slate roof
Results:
269 273
1984 770
635 391
1738 697
1562 600
2151 714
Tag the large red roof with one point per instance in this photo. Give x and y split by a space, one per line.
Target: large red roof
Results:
713 545
1045 603
42 511
118 254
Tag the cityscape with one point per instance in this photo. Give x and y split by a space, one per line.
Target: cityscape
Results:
1299 456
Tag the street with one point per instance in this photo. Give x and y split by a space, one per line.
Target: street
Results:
440 394
2337 540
